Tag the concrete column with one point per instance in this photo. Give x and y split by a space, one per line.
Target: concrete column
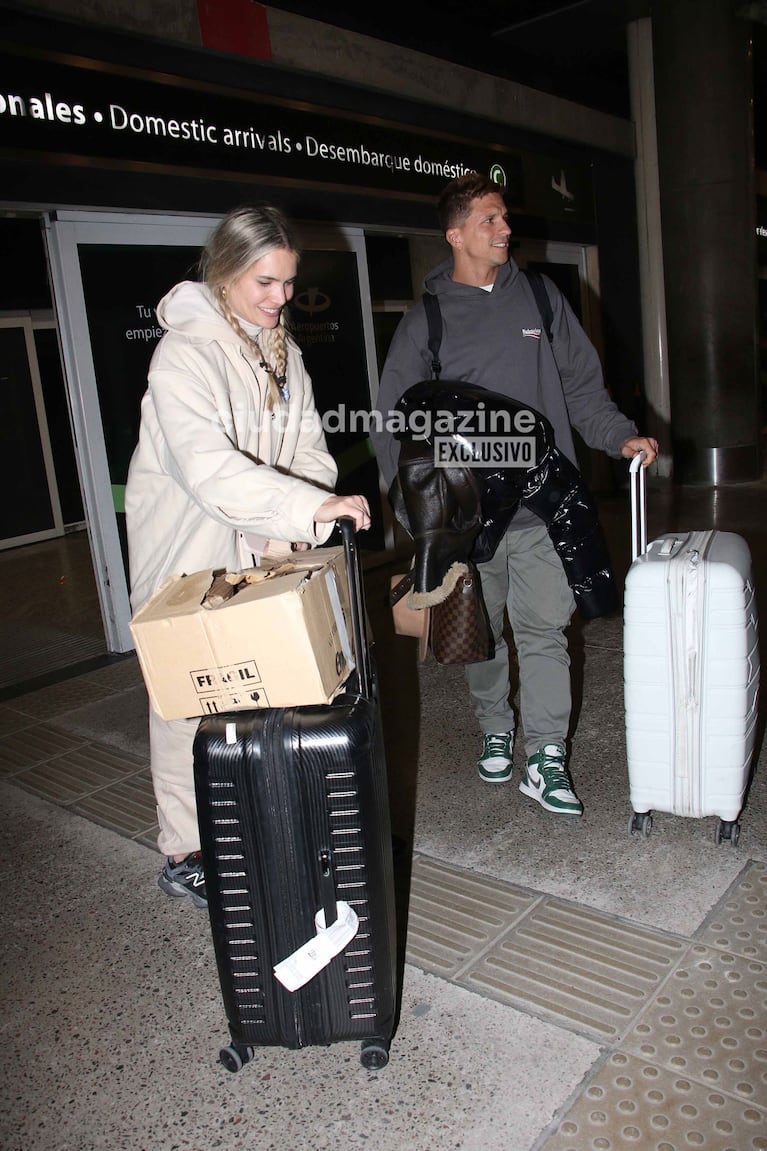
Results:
703 93
650 242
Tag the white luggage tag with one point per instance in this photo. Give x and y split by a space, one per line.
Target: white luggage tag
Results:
317 953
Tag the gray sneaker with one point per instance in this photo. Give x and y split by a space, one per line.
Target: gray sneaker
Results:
547 780
185 878
494 764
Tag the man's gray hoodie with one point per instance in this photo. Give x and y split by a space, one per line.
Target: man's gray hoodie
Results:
496 339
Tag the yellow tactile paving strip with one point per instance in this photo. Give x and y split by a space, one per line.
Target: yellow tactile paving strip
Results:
708 1024
454 915
632 1105
739 923
569 964
684 1022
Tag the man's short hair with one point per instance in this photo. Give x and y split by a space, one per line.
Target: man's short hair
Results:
455 202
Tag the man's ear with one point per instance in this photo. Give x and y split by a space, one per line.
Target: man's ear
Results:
453 237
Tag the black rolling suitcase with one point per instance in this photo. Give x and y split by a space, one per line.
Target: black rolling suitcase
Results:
296 843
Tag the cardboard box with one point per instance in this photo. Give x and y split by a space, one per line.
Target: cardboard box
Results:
283 639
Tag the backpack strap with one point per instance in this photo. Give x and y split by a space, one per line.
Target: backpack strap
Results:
434 321
535 280
434 316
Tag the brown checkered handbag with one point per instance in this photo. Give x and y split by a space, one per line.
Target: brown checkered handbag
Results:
460 629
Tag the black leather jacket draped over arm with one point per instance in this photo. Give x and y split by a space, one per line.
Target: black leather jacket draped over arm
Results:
460 511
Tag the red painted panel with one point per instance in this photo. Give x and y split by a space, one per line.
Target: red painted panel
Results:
235 26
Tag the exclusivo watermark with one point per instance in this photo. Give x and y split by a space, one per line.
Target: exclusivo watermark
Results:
485 451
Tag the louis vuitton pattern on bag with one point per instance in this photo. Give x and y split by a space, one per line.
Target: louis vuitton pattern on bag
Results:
460 629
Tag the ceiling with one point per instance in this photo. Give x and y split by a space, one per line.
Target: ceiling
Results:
571 48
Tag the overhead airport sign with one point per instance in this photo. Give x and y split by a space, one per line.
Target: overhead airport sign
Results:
80 111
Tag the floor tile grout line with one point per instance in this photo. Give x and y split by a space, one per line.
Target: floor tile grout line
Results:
458 976
108 694
485 949
593 1073
146 831
67 804
552 1128
106 786
109 748
538 897
608 1047
715 912
699 1082
103 822
615 1045
46 759
544 896
662 985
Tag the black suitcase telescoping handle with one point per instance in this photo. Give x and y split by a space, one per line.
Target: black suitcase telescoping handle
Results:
357 597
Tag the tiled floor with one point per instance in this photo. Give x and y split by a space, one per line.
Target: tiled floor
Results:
507 904
50 618
108 784
681 1020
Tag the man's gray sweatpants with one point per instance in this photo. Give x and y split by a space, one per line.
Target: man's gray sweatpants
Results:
526 576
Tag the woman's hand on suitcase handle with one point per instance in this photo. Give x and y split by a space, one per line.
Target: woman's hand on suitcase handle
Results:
334 507
636 444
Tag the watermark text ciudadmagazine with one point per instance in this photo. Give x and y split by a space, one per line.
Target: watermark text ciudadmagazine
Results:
472 438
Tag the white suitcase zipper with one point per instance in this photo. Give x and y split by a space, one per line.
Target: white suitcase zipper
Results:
689 592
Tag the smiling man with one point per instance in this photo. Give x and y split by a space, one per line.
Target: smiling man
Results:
493 336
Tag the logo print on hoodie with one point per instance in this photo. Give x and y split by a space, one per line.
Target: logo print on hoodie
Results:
532 333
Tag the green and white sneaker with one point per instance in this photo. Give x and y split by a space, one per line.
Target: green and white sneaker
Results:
494 765
548 781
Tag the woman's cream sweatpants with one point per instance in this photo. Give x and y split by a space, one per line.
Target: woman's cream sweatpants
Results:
170 747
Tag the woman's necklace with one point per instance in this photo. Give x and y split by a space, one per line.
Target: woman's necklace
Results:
280 381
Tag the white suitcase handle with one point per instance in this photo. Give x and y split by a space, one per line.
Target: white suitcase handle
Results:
638 506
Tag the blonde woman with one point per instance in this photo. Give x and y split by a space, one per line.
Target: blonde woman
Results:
231 463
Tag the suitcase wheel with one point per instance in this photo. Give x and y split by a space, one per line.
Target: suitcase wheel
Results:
727 829
235 1057
640 821
374 1055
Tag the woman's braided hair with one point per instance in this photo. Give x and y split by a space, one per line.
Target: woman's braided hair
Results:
245 235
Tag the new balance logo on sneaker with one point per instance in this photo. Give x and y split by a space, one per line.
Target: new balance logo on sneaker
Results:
547 781
494 765
185 878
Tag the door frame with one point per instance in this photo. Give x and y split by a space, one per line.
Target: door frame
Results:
29 324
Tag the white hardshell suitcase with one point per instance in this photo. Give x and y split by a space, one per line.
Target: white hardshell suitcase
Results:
691 672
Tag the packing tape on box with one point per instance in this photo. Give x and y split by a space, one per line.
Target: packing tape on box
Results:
343 633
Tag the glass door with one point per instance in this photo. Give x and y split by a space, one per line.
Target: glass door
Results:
109 270
34 511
